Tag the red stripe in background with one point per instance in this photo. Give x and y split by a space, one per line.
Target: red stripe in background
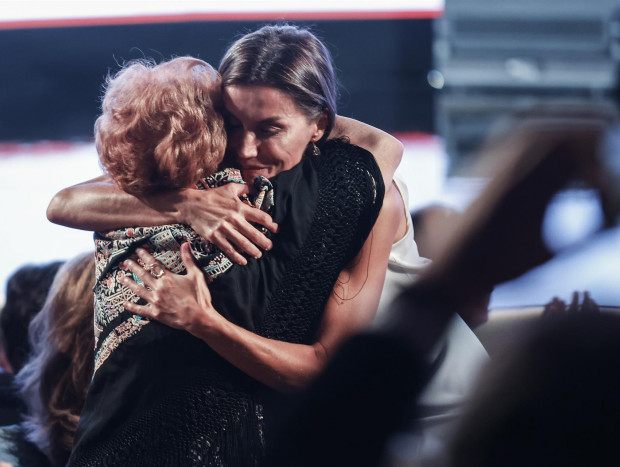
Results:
182 18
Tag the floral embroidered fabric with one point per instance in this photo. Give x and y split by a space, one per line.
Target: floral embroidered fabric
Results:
113 325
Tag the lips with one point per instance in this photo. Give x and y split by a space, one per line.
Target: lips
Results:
250 173
253 168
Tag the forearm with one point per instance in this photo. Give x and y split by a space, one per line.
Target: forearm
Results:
280 365
349 309
99 204
388 151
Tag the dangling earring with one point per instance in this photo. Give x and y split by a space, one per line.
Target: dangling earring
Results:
315 149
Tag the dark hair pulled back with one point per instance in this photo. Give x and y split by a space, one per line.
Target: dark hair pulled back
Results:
288 58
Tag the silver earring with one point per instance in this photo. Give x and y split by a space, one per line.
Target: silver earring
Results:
315 150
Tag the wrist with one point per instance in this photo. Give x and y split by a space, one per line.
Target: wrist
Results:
208 323
181 205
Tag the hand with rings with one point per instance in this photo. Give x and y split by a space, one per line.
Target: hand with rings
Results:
155 269
179 301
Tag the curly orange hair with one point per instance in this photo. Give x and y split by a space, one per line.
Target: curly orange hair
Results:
160 125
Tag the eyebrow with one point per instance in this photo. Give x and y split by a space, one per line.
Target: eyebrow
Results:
270 121
275 120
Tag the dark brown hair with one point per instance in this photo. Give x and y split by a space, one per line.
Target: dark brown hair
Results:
290 59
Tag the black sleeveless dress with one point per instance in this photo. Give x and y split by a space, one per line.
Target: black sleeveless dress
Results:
163 397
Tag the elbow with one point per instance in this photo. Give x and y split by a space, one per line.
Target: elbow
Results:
397 149
306 372
64 210
389 153
292 385
56 209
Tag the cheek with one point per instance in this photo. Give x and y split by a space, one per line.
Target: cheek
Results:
294 159
290 156
275 153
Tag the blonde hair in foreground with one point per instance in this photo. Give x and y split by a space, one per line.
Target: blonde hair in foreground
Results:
160 126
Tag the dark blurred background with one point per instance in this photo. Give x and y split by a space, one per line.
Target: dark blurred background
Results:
439 80
453 73
51 78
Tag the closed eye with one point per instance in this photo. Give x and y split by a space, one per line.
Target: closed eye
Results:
269 131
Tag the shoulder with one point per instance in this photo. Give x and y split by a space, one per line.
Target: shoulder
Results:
342 148
351 166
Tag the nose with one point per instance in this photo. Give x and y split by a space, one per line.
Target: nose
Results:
248 145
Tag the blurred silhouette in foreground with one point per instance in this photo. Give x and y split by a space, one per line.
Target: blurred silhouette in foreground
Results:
456 358
551 400
433 225
347 415
559 306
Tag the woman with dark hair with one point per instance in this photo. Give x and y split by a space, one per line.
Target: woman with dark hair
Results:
54 380
162 394
26 290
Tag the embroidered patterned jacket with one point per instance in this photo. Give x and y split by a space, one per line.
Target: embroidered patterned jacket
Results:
113 325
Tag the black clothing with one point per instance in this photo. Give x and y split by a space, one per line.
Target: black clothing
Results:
163 397
12 407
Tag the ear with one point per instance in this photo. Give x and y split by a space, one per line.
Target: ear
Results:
321 126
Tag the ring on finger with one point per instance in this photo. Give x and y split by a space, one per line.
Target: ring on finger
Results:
157 274
149 267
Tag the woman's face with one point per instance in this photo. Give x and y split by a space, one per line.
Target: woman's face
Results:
267 133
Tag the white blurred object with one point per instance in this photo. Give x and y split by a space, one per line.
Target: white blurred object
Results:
25 10
572 216
30 175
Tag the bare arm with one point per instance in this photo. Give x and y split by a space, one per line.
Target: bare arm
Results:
98 204
216 214
184 302
388 151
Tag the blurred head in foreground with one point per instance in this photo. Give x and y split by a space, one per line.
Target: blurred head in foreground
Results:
551 399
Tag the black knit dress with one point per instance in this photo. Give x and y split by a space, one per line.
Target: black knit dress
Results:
163 397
